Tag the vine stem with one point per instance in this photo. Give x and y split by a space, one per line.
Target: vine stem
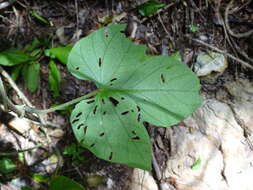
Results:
61 106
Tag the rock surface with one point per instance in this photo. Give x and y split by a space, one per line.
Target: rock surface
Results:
220 135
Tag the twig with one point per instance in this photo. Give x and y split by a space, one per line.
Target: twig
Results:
15 87
26 101
224 52
20 151
237 35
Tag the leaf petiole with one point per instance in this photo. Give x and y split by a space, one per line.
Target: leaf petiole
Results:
61 106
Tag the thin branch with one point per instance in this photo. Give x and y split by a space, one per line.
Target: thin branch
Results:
231 32
224 52
20 151
26 101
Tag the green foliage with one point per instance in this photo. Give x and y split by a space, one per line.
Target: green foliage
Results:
194 28
75 151
61 182
196 165
13 57
31 75
61 53
27 63
149 7
7 166
40 18
54 78
133 88
41 178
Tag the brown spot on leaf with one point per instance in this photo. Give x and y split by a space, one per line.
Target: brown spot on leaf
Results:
99 61
74 121
79 114
110 157
139 117
124 113
162 78
94 110
79 126
85 130
101 134
92 145
113 101
136 138
91 101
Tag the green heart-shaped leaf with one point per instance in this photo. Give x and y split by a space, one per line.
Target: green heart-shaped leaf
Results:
133 87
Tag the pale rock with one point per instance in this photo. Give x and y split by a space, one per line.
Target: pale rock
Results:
219 141
20 125
209 62
142 180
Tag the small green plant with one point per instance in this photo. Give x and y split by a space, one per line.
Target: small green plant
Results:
132 88
75 151
149 7
26 63
7 166
194 28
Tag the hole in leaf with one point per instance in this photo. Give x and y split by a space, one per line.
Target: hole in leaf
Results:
110 157
113 79
162 78
106 35
101 134
122 98
81 142
92 145
76 120
103 101
77 68
139 117
138 109
79 114
91 101
85 130
113 101
99 62
134 133
136 138
79 126
122 31
111 84
132 110
94 110
124 113
104 112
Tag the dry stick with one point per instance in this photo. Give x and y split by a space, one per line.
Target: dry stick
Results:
237 35
224 52
20 151
26 101
17 108
226 27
